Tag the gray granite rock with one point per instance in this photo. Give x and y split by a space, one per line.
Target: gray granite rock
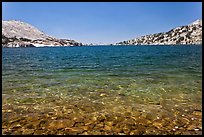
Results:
189 34
21 34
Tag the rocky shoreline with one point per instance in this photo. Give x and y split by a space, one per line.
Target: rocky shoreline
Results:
184 35
21 34
51 42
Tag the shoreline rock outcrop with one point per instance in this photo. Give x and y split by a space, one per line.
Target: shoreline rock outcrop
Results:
183 35
21 34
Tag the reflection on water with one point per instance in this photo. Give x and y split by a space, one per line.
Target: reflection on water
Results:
102 90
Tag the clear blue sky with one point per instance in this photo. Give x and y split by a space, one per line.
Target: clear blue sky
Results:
106 22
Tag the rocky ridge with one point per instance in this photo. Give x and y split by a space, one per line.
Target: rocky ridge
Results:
189 34
21 34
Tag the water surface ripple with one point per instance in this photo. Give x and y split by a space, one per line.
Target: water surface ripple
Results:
133 89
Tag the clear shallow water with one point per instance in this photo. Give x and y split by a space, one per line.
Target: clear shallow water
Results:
104 80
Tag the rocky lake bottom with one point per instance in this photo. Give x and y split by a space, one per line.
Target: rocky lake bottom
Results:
123 90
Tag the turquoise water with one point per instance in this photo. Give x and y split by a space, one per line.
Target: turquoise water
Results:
107 78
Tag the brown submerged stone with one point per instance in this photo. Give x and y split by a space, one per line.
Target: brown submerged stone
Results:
85 118
28 132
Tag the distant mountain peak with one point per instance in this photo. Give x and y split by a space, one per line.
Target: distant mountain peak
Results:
19 29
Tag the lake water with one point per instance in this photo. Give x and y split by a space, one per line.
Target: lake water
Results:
102 90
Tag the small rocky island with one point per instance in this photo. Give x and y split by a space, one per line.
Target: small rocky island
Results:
21 34
183 35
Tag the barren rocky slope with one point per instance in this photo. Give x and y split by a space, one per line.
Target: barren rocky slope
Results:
189 34
21 34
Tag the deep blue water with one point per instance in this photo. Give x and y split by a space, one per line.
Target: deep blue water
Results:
122 60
